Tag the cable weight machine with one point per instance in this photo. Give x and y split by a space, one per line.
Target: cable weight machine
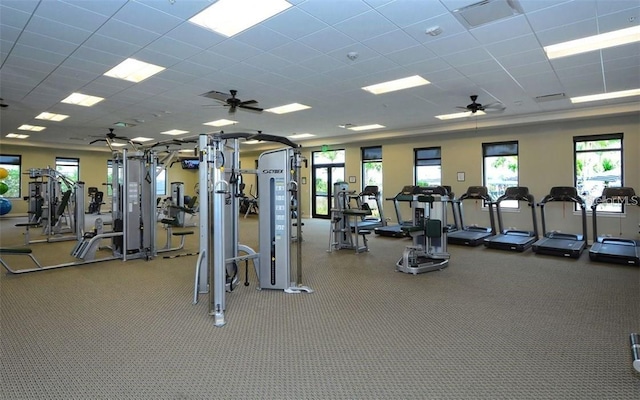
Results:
220 251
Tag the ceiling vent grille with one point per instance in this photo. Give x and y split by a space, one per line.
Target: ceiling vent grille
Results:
486 11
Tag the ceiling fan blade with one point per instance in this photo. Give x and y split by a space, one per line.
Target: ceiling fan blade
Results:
242 103
97 140
217 95
232 109
250 108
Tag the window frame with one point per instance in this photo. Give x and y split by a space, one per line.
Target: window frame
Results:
4 160
595 138
68 162
485 147
417 159
370 159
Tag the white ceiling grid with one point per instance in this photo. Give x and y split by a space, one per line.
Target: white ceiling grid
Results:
52 48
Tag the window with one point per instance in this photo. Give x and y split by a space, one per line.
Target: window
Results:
109 177
598 164
372 175
12 164
70 168
427 166
161 181
500 169
372 166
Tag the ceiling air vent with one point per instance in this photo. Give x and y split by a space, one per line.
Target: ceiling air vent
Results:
486 11
550 97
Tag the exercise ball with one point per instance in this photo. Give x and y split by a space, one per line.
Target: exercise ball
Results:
3 173
3 188
5 206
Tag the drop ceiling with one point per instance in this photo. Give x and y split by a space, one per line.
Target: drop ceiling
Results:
319 53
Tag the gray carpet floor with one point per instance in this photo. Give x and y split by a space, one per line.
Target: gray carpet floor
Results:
493 325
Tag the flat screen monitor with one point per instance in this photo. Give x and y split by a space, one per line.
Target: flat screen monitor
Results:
190 163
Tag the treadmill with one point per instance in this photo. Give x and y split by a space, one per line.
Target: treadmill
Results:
396 231
367 223
512 239
472 235
614 249
558 243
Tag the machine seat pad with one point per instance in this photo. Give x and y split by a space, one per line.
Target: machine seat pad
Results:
29 224
15 250
183 233
363 232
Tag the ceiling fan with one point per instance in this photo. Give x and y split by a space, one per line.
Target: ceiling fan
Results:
3 104
110 137
232 101
474 107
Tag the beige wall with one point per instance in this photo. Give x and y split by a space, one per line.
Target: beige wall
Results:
93 171
545 160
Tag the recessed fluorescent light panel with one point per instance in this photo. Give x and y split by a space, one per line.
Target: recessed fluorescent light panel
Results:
52 117
366 127
141 139
133 70
115 144
174 132
220 122
17 136
398 84
606 96
33 128
591 43
84 100
460 115
287 108
230 17
301 136
251 142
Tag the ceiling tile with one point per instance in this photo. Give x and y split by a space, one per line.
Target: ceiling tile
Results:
411 55
523 58
175 48
111 45
262 38
334 11
104 7
365 26
561 14
68 14
512 46
405 13
453 44
127 33
494 32
568 32
13 17
57 30
327 40
147 18
181 9
390 42
295 52
195 35
294 23
235 50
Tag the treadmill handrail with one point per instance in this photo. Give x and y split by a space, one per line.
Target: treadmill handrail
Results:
619 195
476 193
564 194
519 193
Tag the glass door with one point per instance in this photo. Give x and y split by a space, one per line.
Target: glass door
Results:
324 176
